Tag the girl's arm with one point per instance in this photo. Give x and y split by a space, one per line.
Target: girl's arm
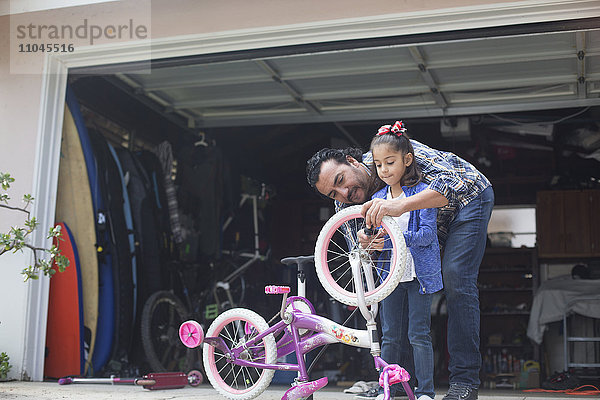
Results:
375 209
426 232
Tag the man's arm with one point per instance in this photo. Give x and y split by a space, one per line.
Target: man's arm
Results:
375 209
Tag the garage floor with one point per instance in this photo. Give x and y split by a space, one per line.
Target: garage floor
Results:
50 390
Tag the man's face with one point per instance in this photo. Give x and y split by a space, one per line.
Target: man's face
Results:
342 182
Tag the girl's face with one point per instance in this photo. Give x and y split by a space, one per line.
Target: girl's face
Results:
390 164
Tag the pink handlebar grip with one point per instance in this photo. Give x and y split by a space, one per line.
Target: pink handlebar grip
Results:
395 373
273 289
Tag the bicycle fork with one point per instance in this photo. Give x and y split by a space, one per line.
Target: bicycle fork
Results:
359 261
389 373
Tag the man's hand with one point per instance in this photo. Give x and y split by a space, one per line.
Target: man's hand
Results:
373 242
374 210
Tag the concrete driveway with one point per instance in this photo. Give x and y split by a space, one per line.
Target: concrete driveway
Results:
53 391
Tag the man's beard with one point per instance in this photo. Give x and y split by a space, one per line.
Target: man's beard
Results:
352 196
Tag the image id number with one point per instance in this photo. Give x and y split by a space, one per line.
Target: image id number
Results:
46 48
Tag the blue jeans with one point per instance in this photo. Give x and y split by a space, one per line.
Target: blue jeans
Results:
463 252
407 313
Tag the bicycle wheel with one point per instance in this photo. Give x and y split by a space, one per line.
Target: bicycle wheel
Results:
162 315
236 327
332 250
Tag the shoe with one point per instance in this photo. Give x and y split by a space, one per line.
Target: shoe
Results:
561 381
370 394
461 391
424 397
358 387
379 396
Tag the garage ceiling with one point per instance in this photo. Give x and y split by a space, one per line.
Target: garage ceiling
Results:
421 79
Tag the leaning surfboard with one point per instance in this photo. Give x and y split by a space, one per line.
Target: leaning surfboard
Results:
64 332
106 302
74 207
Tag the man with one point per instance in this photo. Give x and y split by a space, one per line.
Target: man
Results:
465 200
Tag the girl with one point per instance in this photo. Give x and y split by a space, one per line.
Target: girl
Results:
393 161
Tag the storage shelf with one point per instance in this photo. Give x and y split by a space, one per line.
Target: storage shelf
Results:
505 314
508 250
507 280
507 345
504 270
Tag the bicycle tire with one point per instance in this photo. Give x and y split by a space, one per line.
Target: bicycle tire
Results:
162 315
233 381
332 263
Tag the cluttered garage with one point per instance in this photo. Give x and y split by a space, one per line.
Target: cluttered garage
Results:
191 186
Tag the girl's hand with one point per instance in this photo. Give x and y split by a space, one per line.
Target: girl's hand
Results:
374 210
371 243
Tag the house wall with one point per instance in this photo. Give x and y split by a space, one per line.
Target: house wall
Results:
22 102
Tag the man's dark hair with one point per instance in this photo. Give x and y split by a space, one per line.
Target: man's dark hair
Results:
313 165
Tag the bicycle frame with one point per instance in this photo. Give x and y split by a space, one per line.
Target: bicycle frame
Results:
324 331
252 257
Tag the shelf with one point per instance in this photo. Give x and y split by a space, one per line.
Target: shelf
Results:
505 314
505 289
504 270
508 250
507 345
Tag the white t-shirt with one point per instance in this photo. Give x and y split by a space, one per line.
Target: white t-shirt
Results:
402 221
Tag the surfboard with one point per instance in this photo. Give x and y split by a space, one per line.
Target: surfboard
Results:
74 207
129 224
64 332
106 313
144 222
110 187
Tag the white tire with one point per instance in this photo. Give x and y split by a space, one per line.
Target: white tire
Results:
237 382
332 262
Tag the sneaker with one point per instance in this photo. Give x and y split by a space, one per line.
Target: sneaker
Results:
399 395
358 387
379 395
561 381
424 397
370 394
461 391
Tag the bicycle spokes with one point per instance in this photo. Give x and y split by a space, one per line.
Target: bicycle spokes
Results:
229 371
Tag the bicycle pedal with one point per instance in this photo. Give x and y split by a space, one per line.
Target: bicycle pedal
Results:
303 390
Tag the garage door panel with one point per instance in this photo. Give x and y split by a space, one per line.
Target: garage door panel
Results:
357 62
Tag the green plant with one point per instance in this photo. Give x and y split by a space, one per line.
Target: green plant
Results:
15 239
4 365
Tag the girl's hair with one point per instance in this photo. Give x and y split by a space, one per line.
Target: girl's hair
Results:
396 138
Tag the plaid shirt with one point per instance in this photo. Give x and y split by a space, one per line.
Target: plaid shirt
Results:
448 174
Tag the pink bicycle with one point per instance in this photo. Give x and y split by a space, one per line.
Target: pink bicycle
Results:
240 349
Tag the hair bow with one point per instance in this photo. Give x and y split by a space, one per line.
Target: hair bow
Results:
397 129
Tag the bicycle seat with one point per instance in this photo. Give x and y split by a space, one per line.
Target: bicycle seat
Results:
300 260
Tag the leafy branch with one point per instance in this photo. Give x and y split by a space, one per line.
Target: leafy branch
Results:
16 239
4 365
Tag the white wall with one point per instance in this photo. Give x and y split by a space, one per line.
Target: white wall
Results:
518 220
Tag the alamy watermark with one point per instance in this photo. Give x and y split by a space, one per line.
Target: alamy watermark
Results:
89 32
34 36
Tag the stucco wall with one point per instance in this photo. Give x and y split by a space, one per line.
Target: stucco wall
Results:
21 98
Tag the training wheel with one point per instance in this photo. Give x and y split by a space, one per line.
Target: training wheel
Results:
195 378
191 334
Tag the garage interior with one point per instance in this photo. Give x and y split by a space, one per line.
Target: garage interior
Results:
520 102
